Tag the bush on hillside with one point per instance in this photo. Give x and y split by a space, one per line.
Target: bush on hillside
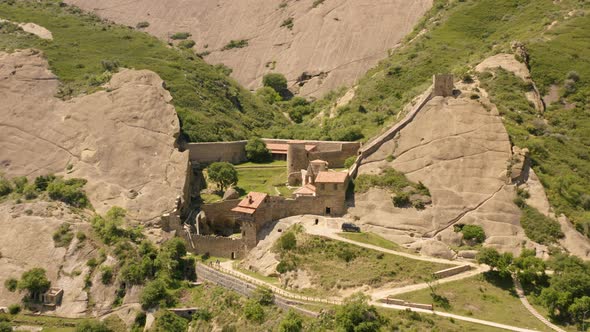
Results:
142 25
11 284
180 35
540 228
288 241
292 322
276 81
235 44
268 95
19 183
187 44
92 326
69 191
34 281
5 327
256 151
5 186
355 314
473 233
14 309
63 236
155 293
254 312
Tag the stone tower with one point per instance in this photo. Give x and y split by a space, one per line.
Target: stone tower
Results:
296 161
442 85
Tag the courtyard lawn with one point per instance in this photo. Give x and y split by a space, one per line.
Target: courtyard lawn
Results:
371 238
266 178
484 297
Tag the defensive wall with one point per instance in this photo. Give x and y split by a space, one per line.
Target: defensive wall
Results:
334 152
442 85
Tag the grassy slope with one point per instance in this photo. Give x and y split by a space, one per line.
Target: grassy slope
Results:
211 106
495 301
323 259
371 238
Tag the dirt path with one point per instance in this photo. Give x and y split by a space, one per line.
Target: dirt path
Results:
530 308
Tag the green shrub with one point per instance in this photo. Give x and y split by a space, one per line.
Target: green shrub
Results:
473 233
180 35
14 309
69 191
288 241
142 25
92 326
11 284
110 65
357 315
42 181
187 44
269 95
317 3
254 312
349 161
202 314
63 236
5 186
81 236
256 150
263 296
292 322
5 326
401 200
287 23
19 183
276 81
235 44
539 227
107 275
155 293
30 191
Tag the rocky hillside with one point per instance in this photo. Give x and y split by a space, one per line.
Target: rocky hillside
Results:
121 140
318 45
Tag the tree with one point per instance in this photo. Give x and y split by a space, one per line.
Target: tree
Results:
93 326
291 323
473 233
222 173
276 81
529 268
34 281
580 311
356 315
170 322
154 293
263 296
256 150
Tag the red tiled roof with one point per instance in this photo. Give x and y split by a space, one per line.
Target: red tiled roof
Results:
331 177
250 203
308 189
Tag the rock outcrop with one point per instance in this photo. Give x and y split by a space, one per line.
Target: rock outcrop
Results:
26 242
120 139
460 151
328 43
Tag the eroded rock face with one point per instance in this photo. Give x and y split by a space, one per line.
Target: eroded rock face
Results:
26 242
459 150
121 140
330 45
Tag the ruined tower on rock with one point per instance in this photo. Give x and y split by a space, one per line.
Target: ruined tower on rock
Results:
442 85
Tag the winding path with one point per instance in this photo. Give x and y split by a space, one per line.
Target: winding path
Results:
530 308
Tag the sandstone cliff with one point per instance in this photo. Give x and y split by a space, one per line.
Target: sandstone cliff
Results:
334 42
459 150
120 139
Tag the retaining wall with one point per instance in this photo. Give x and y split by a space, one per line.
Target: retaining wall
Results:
219 246
233 152
452 271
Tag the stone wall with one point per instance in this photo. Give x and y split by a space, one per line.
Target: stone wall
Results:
218 246
220 212
376 143
233 152
452 271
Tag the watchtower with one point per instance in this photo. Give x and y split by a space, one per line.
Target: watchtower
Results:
442 85
296 161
